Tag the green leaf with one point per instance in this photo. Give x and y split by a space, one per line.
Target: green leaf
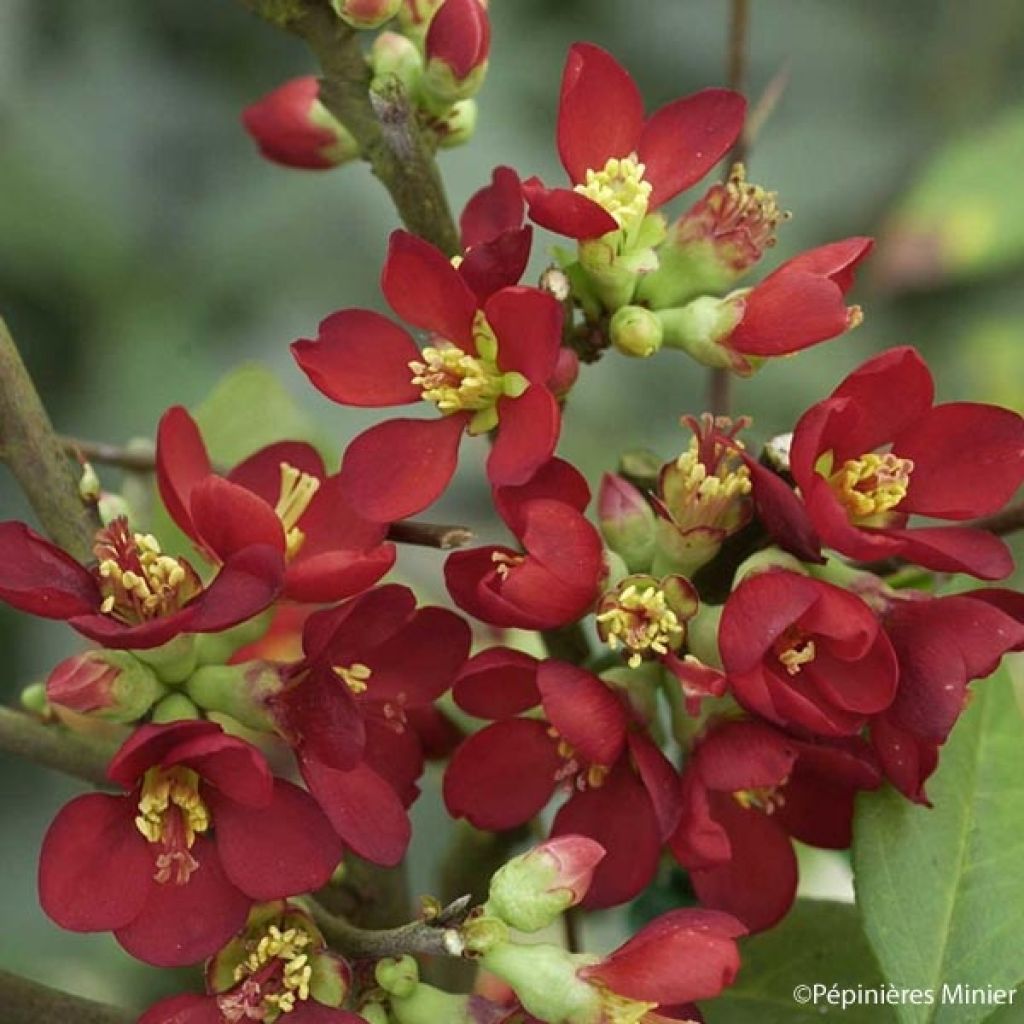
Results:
818 943
942 890
965 216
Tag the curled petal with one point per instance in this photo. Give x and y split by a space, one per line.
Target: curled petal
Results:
38 577
566 212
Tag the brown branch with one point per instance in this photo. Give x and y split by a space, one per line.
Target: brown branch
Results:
34 455
136 460
54 747
429 535
1009 520
28 1002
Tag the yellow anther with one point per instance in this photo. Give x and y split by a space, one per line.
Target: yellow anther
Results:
354 676
872 485
620 189
163 790
766 799
292 984
703 494
455 381
297 491
795 657
505 563
642 622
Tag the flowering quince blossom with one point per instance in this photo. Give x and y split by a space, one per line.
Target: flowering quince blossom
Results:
747 788
487 366
623 791
621 165
865 463
135 596
806 654
283 494
345 710
556 578
173 866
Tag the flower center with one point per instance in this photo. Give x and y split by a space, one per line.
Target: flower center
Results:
504 563
171 815
641 621
620 189
273 978
455 381
354 676
137 580
767 799
872 485
796 653
620 1010
297 491
574 771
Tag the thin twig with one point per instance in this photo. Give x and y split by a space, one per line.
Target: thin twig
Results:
1009 520
28 1002
136 460
54 747
763 108
572 920
430 535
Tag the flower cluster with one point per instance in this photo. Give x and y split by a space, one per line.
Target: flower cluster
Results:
712 666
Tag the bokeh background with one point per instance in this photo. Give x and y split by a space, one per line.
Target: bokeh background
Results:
145 250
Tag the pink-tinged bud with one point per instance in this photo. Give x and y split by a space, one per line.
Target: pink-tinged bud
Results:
240 691
635 331
293 128
567 369
457 127
366 14
393 57
113 685
535 888
415 16
627 522
457 46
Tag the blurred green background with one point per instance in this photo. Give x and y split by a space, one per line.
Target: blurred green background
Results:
145 249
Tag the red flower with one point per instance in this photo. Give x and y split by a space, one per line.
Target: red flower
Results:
942 643
283 493
486 366
495 242
800 304
746 789
622 165
136 596
456 49
196 1009
292 127
624 793
865 462
369 665
557 579
804 653
173 866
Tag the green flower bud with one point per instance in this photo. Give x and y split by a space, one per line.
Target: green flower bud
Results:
458 125
174 661
366 14
700 327
627 522
237 690
635 331
393 56
175 707
113 685
398 977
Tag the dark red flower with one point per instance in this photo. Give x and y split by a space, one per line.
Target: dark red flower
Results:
173 866
942 644
486 367
804 653
747 788
621 164
864 463
369 665
135 596
292 127
623 791
282 490
556 578
495 242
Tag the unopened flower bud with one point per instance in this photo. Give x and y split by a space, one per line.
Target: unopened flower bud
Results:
766 560
393 56
240 691
457 46
33 699
458 125
89 488
481 932
535 888
175 707
635 331
292 127
113 685
366 14
398 977
563 377
627 522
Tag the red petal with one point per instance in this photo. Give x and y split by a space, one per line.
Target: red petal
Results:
556 479
836 260
907 760
498 683
527 434
528 325
460 35
586 713
660 780
783 513
425 290
566 212
150 744
332 524
284 849
281 125
95 867
38 577
247 583
951 549
503 775
600 114
744 755
336 575
399 467
491 266
348 633
261 471
397 757
181 463
183 924
318 716
229 518
360 358
184 1009
234 767
683 140
495 209
364 810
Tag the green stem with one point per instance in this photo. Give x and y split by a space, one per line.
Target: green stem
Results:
28 1002
54 747
35 456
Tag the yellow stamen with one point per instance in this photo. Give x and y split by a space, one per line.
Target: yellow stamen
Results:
297 491
767 799
455 381
796 656
703 495
620 1010
871 485
292 986
642 622
171 815
620 189
504 563
354 676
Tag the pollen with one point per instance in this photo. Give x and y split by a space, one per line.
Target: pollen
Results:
620 188
276 973
297 491
641 622
872 485
355 677
171 815
767 799
455 381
